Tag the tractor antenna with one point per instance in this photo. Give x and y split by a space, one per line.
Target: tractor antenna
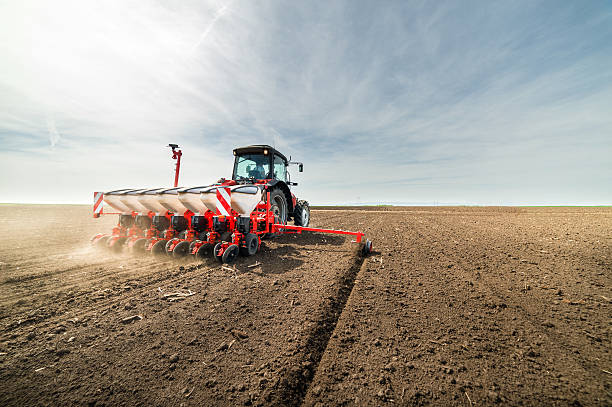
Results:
176 155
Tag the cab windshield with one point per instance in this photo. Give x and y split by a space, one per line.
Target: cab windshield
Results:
254 166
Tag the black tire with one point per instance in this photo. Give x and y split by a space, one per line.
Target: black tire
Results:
230 254
159 248
216 250
251 243
204 251
116 246
181 249
138 247
366 249
279 207
301 214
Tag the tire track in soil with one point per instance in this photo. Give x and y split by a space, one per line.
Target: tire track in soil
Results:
38 355
502 311
293 389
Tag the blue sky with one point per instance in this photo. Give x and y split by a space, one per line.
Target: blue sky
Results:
475 102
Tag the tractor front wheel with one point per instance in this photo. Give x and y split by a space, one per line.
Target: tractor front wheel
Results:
301 214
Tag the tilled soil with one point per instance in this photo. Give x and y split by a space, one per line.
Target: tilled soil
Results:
463 306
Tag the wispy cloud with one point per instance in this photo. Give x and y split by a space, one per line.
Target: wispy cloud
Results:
441 101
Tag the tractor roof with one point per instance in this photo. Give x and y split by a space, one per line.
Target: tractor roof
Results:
258 149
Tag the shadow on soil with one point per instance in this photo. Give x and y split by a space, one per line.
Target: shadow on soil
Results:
289 252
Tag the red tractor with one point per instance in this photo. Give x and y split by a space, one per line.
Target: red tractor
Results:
232 216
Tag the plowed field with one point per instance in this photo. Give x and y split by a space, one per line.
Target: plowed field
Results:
456 306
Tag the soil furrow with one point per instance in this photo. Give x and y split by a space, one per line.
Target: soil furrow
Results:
293 390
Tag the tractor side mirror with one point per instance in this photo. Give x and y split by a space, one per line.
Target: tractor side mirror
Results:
301 168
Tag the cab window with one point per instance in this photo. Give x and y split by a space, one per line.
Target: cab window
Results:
280 169
255 166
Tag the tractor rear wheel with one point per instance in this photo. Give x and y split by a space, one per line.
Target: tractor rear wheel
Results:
278 207
301 214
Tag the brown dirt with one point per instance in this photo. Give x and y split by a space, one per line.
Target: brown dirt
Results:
463 306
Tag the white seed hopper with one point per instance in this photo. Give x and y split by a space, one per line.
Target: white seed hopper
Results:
245 198
168 198
150 200
208 196
190 198
113 199
130 199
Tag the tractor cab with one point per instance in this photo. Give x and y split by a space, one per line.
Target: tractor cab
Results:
259 162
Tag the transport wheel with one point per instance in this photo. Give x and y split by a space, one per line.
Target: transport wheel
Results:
204 251
216 250
252 245
367 248
278 207
230 254
168 245
181 249
139 246
116 246
159 248
301 214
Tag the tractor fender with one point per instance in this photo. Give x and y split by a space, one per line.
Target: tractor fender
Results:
288 196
